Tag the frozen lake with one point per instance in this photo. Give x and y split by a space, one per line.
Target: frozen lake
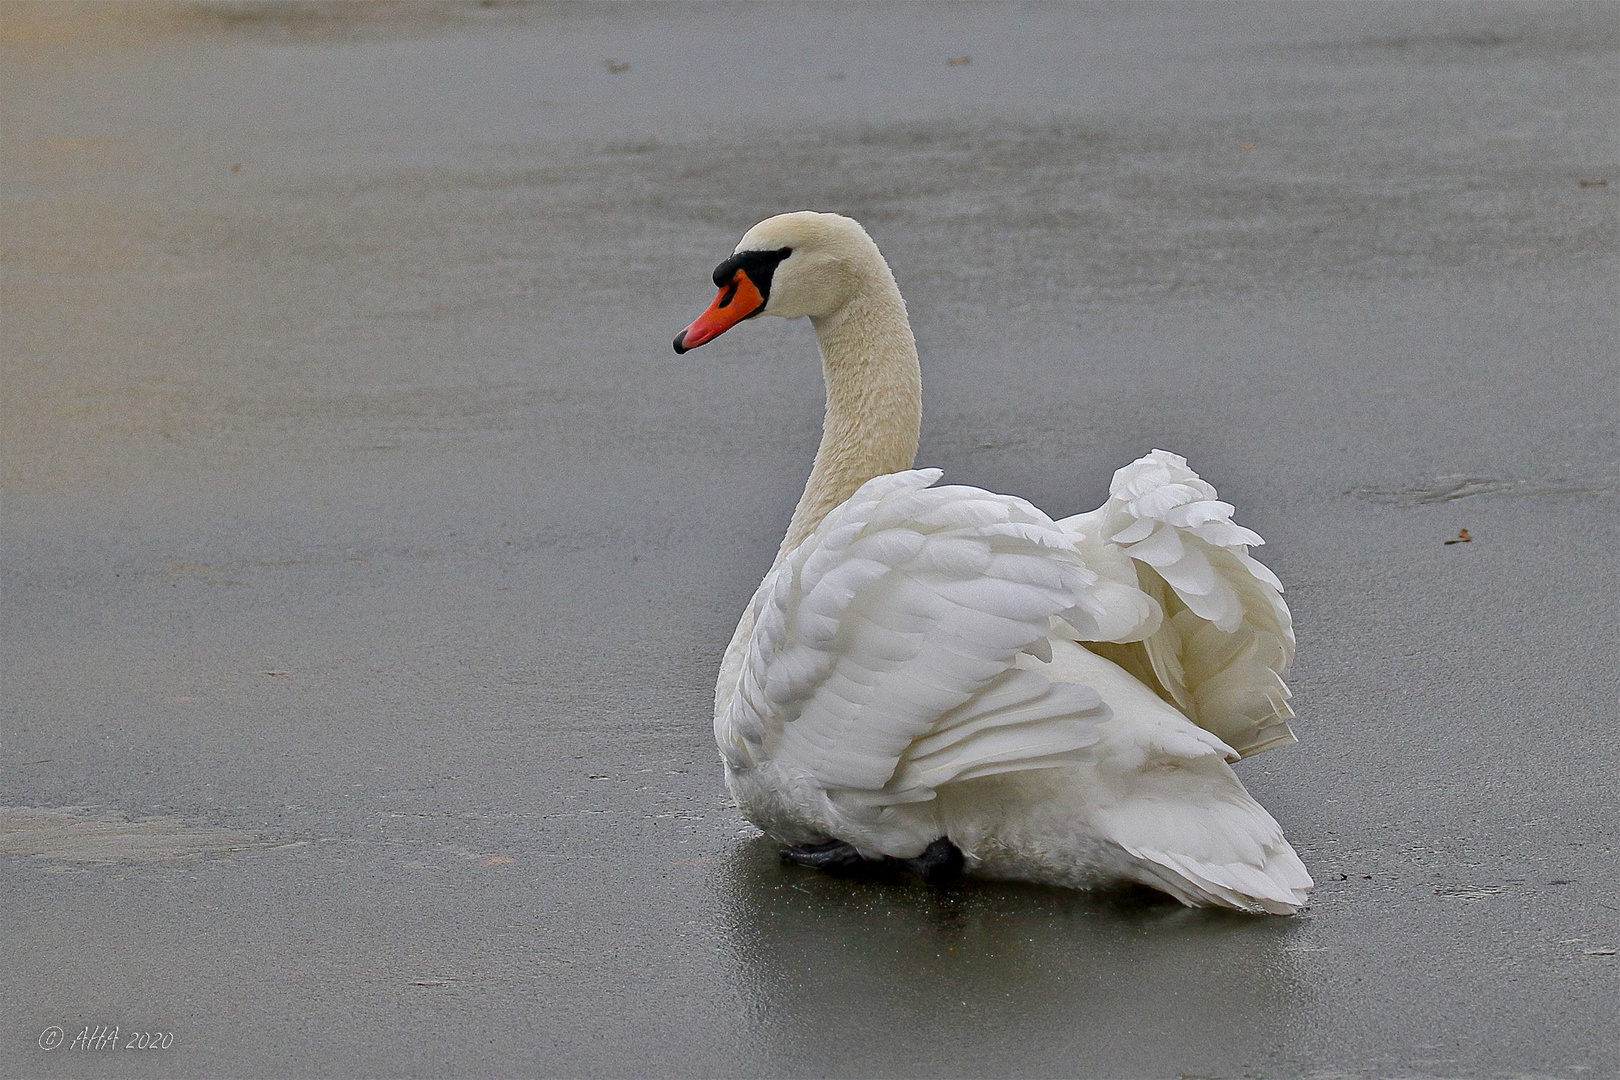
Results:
368 554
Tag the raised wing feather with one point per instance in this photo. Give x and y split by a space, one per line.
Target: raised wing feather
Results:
1223 640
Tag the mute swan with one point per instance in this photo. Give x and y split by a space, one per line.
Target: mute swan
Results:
948 680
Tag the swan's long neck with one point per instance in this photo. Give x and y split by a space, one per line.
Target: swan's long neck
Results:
874 400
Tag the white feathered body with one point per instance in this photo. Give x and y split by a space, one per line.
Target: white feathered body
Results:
915 669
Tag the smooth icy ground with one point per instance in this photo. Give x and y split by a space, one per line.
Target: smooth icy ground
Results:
368 553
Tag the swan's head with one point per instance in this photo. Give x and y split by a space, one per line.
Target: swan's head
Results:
790 265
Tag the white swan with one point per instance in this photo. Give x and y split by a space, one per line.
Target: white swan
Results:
948 679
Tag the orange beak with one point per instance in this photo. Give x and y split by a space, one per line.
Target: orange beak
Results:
736 301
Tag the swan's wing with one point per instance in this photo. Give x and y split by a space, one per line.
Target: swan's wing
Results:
1225 641
881 663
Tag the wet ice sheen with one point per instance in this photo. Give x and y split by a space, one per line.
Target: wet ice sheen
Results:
366 311
79 834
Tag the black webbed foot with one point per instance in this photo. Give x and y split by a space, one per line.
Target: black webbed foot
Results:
940 864
833 855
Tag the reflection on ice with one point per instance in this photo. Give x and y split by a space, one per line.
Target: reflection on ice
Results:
844 975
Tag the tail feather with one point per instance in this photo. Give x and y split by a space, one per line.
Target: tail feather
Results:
1280 886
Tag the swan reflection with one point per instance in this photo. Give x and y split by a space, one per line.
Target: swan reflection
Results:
851 976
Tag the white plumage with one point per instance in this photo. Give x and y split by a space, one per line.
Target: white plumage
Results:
1059 699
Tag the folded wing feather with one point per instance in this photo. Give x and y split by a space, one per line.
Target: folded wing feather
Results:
881 661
